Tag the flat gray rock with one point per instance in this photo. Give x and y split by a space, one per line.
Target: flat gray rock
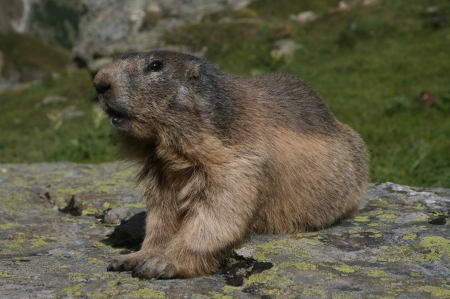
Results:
397 247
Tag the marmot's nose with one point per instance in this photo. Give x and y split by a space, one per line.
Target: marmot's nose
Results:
101 82
102 86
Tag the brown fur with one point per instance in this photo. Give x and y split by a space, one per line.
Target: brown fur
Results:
222 157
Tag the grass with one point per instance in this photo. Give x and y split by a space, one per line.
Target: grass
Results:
26 55
32 131
369 64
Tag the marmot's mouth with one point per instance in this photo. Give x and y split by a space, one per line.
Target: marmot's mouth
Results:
118 116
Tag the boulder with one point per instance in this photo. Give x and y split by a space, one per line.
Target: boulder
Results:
398 246
111 27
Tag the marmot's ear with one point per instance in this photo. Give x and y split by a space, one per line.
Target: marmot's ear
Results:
193 70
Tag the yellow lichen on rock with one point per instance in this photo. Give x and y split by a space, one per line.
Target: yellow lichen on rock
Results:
147 293
437 246
438 292
344 268
302 266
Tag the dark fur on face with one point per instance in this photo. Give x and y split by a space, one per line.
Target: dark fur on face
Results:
222 157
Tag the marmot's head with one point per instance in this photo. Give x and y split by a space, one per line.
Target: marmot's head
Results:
149 94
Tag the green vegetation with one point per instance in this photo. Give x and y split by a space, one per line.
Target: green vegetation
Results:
59 16
32 131
369 63
25 55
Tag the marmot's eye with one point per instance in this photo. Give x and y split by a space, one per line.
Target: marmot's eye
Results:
155 66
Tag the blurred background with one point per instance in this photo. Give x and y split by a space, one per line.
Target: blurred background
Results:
382 66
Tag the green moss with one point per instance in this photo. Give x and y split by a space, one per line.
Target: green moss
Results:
331 276
387 216
302 266
340 296
4 275
436 246
93 260
216 295
41 241
409 237
261 278
344 268
296 246
9 225
377 273
438 292
100 294
361 219
435 242
420 219
74 291
314 291
383 203
134 205
314 241
415 274
230 289
371 232
396 254
269 277
17 242
263 249
148 293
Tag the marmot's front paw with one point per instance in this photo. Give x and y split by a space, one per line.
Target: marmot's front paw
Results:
145 265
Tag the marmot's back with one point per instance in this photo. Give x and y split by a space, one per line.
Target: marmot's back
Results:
293 103
315 167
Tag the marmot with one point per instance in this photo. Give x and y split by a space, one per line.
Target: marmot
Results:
222 157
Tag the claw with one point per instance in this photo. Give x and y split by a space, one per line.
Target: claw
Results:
148 266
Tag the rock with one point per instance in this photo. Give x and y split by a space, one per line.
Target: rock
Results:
436 17
304 17
110 27
370 2
284 48
245 252
130 233
53 98
121 214
432 9
344 5
74 207
71 112
11 81
397 246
